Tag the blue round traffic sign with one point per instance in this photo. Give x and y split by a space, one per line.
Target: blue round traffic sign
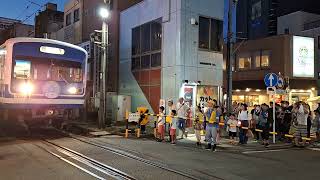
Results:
271 80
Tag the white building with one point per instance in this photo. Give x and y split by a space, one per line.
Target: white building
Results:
165 44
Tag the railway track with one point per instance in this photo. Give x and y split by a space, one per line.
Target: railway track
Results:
126 154
94 168
103 169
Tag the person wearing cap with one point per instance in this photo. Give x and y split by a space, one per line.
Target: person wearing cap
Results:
244 119
212 126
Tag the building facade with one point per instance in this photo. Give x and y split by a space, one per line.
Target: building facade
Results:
81 19
48 21
291 56
168 48
10 28
258 18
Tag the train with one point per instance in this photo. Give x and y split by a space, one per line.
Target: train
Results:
41 79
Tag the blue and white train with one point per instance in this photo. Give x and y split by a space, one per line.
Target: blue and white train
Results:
41 77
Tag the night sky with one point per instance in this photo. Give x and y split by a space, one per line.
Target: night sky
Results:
22 9
25 9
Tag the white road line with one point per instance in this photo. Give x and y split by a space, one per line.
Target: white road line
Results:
314 149
263 151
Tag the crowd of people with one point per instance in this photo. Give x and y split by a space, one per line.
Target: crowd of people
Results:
297 120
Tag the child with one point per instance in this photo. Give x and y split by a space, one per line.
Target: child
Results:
173 126
232 126
198 125
161 121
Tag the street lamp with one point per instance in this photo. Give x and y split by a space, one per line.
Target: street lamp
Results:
104 13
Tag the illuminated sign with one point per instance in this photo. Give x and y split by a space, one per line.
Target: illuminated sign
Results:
303 57
51 50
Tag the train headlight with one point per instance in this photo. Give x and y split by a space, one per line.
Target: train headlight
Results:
26 88
72 90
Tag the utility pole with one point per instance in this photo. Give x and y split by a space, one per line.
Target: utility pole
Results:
232 3
104 69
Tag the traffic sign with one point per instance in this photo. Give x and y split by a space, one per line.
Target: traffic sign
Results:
271 80
280 82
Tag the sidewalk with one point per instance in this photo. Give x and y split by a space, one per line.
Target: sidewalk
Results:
190 141
224 144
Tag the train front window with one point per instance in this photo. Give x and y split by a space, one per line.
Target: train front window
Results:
22 69
48 70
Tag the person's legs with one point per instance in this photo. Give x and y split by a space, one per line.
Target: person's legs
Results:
214 133
180 125
245 137
258 134
240 135
209 136
198 136
173 135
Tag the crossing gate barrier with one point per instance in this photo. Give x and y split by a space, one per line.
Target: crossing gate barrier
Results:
220 124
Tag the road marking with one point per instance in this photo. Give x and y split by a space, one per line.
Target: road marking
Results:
263 151
314 149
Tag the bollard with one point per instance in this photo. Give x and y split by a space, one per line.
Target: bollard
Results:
127 124
138 130
127 129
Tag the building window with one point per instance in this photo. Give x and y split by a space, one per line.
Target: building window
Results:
68 19
244 62
76 15
135 41
256 10
146 45
156 60
204 29
257 60
156 35
210 34
135 63
261 59
145 62
286 31
265 58
145 38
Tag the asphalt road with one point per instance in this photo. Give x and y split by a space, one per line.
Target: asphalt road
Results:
28 159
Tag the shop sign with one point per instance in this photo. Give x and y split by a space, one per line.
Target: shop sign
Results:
303 56
205 94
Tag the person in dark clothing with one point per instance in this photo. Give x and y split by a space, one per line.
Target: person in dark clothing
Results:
264 123
287 117
309 122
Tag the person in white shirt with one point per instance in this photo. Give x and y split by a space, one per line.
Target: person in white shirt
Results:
161 122
302 111
182 110
244 119
232 126
173 127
